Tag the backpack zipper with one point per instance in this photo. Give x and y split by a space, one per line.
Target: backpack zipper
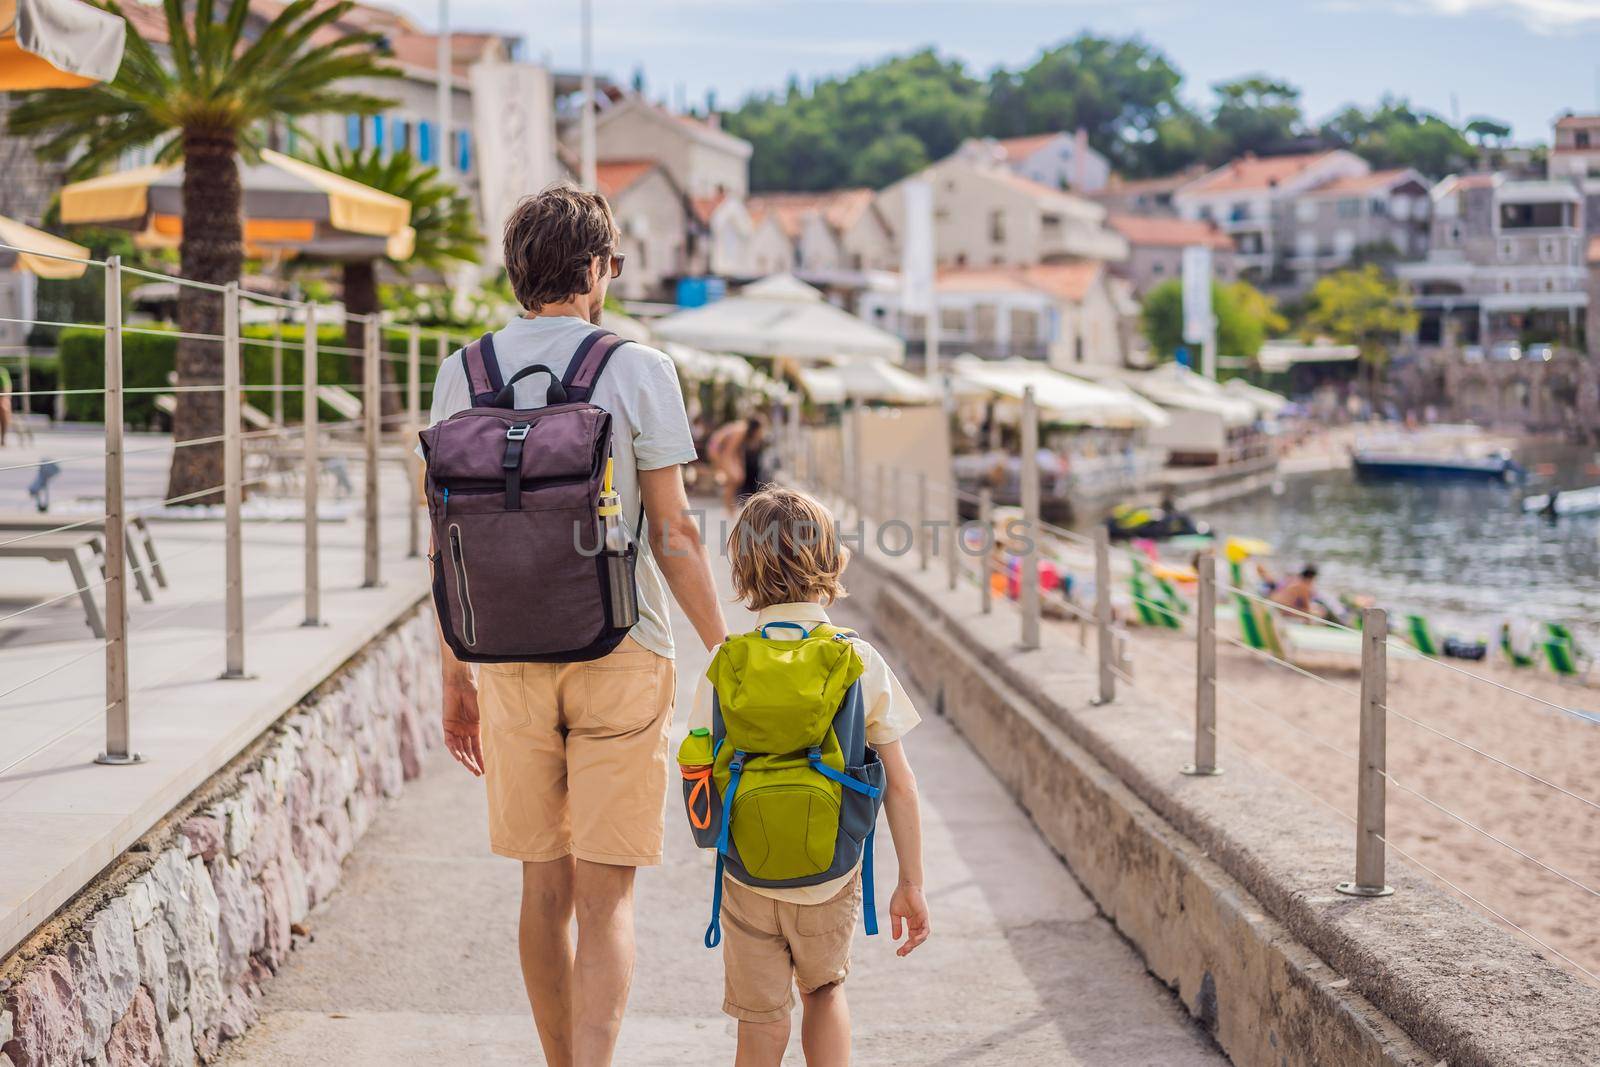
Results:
463 590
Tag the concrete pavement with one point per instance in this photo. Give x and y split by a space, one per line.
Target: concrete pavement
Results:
414 958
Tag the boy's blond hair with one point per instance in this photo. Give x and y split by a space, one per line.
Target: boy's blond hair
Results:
784 547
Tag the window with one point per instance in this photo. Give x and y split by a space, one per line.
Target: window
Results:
953 321
1077 349
1305 210
1158 268
1305 244
997 227
425 142
1379 207
352 132
1507 250
1349 208
1581 139
400 135
1240 211
1550 249
1344 243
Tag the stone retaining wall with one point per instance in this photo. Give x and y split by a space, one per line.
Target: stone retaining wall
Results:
162 959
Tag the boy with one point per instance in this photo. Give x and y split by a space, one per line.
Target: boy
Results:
786 561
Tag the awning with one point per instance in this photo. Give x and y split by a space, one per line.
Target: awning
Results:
45 265
57 44
1276 357
1268 403
1175 386
1060 397
868 380
780 316
289 205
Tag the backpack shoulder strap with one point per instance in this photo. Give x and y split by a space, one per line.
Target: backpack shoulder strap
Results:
588 362
483 370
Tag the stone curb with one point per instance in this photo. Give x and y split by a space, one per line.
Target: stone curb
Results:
162 958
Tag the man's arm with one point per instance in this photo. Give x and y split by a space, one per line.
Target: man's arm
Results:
461 732
681 552
908 905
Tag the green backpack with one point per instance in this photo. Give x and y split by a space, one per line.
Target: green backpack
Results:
784 785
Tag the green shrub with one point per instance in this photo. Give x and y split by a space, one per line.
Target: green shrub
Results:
148 360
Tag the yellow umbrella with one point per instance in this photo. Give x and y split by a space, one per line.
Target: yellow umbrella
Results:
45 265
289 206
57 44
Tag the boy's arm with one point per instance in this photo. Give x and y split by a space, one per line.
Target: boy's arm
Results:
908 906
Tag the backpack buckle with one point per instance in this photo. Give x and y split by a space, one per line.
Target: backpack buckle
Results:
519 432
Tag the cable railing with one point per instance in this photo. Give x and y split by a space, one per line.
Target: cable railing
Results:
1295 684
255 452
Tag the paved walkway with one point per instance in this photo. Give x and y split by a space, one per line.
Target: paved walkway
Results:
414 958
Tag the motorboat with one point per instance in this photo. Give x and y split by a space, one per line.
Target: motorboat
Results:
1567 502
1497 466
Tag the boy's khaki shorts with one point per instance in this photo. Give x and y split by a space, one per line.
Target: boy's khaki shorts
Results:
769 946
575 756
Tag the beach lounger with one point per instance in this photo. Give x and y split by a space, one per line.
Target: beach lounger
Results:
1420 635
64 548
1301 645
138 537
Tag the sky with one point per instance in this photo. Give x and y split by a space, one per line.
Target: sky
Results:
1521 61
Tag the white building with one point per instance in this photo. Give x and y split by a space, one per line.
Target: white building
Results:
1056 160
702 158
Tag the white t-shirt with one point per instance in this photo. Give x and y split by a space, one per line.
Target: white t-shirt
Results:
649 427
889 712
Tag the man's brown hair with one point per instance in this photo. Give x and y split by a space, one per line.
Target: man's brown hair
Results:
784 548
551 240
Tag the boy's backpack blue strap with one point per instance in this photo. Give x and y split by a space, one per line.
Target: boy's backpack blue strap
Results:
814 755
869 901
792 625
735 769
714 931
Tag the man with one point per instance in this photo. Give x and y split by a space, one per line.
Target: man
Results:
1298 593
575 755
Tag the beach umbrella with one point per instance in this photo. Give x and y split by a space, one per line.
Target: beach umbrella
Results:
57 44
781 316
288 206
874 380
45 265
1061 397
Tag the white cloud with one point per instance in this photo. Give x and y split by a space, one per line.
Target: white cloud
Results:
1544 16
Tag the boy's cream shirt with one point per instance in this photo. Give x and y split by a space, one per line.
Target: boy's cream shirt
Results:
890 714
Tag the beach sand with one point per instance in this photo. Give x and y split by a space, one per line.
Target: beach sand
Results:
1305 730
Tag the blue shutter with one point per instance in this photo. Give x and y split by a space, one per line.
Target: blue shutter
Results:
425 142
377 132
463 151
352 132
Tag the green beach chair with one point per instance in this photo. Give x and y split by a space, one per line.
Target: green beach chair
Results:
1420 635
1514 656
1150 603
1295 643
1562 659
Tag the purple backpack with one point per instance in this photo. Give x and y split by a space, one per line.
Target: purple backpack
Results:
513 498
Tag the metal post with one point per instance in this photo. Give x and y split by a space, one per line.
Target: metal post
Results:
277 371
118 727
372 410
986 561
1205 682
414 426
233 482
312 467
922 520
1029 591
1371 780
1102 615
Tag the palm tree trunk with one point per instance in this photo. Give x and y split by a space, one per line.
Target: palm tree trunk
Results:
212 251
361 298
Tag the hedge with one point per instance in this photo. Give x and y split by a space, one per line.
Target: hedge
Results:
148 360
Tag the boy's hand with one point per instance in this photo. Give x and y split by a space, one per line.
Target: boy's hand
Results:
909 907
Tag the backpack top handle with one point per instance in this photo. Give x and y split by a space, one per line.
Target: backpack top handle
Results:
506 397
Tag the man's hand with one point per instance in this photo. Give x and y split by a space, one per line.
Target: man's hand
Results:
908 911
461 723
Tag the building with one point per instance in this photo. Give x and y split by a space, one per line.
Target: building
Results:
1295 217
1252 200
771 251
1575 149
1156 244
702 159
1056 160
1069 314
985 216
833 233
1144 196
1506 263
654 218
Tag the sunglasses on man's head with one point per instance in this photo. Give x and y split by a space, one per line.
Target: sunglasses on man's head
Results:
616 265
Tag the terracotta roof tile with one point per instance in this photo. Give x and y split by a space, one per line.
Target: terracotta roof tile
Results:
1362 183
1019 148
1166 232
1255 172
1065 281
619 175
840 208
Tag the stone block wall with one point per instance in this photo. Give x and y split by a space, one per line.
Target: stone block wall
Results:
163 959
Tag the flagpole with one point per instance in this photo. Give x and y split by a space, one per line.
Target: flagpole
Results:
446 74
590 182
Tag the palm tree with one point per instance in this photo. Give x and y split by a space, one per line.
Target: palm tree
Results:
212 95
446 233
